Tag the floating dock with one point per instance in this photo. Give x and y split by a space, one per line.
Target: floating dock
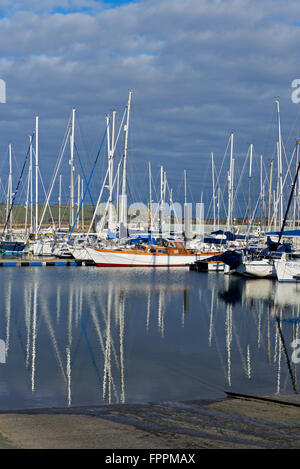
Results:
53 262
208 266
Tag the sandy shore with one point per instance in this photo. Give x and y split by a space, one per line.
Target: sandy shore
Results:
230 423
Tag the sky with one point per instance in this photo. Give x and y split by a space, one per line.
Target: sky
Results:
198 70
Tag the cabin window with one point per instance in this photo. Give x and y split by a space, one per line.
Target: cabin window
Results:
162 251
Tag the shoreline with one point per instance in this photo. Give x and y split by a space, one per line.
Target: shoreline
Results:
229 423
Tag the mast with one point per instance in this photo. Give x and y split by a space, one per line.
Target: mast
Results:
218 206
185 196
27 194
230 185
213 184
150 197
31 191
279 165
9 189
59 203
187 213
161 198
270 194
78 198
82 214
262 194
290 200
71 162
36 175
296 196
111 150
250 176
123 195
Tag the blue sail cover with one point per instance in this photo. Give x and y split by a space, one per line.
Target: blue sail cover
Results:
142 239
231 258
112 235
229 237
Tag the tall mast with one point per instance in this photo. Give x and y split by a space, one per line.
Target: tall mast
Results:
230 185
161 204
279 165
126 128
111 150
28 190
270 195
185 194
36 174
250 176
150 197
82 214
262 194
59 203
78 198
10 184
108 166
218 206
31 191
213 184
71 162
295 191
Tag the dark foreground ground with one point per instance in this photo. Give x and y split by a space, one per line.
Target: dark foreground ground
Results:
231 423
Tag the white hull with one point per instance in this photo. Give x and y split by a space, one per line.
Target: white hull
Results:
126 259
287 271
215 267
80 254
257 269
42 249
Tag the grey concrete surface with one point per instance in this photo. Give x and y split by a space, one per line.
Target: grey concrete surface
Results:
230 423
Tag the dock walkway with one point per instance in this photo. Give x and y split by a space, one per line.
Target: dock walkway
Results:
43 262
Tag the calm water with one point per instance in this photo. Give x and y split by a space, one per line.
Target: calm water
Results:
79 336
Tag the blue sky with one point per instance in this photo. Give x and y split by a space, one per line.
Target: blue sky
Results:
90 9
198 69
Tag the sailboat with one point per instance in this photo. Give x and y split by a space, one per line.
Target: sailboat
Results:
167 254
287 270
258 268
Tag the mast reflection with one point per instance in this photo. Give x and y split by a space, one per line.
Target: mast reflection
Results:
80 343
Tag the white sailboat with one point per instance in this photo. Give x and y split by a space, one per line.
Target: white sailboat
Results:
258 268
171 254
287 270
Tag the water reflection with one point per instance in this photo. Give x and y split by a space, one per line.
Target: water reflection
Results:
280 304
89 336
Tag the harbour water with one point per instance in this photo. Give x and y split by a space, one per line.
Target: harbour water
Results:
78 336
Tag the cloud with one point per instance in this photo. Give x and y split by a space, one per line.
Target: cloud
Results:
198 70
